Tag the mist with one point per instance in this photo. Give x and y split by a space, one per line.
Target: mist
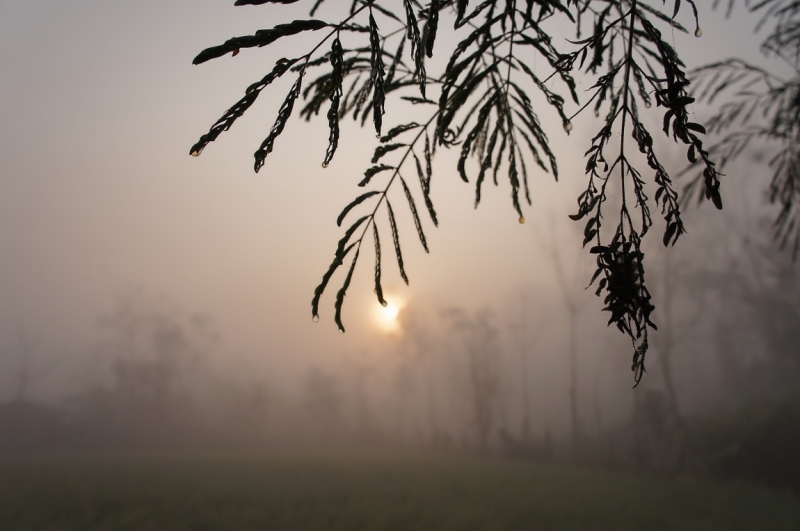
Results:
155 302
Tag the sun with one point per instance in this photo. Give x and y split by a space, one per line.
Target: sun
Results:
390 312
387 318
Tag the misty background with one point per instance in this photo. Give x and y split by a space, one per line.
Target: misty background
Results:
149 299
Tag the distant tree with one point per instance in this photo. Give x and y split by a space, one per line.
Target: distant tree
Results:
757 337
569 296
521 331
482 105
26 373
420 348
151 347
479 340
250 409
323 400
365 423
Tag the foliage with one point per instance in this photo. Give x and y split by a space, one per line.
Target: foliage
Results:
482 105
762 106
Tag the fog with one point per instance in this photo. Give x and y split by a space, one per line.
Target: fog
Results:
153 300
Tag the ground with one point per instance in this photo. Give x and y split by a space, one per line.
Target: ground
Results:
356 491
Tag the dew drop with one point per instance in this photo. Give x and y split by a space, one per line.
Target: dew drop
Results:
315 318
568 127
384 304
521 220
341 330
698 33
196 152
324 164
378 136
648 104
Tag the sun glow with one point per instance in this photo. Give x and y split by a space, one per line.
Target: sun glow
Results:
387 317
390 312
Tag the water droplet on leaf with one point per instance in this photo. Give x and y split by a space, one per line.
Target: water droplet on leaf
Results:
315 318
384 304
698 33
648 104
521 220
324 164
568 127
196 152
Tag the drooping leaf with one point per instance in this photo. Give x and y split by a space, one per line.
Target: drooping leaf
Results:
425 185
261 2
398 130
371 172
395 62
343 291
671 228
396 240
477 11
232 114
413 207
431 27
487 162
378 74
337 261
261 38
337 57
313 9
354 203
378 287
461 9
280 122
348 234
383 149
417 48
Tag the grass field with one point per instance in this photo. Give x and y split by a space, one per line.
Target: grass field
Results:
375 491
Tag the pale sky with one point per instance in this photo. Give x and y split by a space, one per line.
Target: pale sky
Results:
99 104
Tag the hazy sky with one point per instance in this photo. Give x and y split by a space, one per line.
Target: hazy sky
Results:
99 104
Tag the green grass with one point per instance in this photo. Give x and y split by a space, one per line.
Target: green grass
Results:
375 491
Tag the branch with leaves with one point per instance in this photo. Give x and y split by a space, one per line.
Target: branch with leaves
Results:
484 106
760 106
